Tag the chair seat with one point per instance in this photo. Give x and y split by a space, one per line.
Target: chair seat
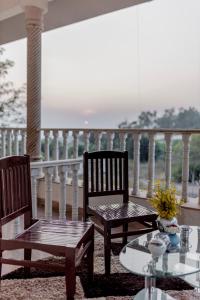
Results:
56 233
123 211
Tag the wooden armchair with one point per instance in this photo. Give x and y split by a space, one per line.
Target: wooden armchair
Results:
106 174
72 240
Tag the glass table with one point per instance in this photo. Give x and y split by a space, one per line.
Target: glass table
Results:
183 261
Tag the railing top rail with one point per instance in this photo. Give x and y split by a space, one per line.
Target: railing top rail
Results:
52 163
130 130
123 130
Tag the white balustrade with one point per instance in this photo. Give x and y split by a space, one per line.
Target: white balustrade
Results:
12 138
97 137
86 136
35 173
55 153
62 171
136 169
3 143
48 170
122 139
111 136
16 142
151 164
75 169
65 144
185 165
46 145
75 148
9 142
23 143
168 158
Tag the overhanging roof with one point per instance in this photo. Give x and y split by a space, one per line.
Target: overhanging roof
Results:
61 13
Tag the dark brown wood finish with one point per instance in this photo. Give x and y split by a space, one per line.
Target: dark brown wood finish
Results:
113 170
72 240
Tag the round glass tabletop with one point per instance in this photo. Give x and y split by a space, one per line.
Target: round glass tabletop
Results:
183 260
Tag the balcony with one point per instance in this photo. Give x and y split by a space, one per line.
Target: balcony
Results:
57 180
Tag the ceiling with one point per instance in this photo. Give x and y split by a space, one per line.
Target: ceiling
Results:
60 13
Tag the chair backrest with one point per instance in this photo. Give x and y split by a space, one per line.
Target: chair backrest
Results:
105 173
15 188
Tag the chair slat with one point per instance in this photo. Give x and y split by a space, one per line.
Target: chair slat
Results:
97 174
92 175
116 174
101 174
15 187
120 173
111 174
107 188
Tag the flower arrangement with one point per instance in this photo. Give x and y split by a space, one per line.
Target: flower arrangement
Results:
167 206
165 201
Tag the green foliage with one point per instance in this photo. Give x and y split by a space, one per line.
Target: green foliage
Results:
183 118
12 102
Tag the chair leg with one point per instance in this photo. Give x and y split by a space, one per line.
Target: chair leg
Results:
0 264
27 256
70 275
107 249
90 260
125 229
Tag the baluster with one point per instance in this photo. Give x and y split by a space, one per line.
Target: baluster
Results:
48 171
55 153
136 169
110 136
23 144
97 137
75 146
86 136
16 142
199 196
151 164
62 170
3 142
122 138
35 173
65 144
46 144
185 165
9 142
75 169
168 158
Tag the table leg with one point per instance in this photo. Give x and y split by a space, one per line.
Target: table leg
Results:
150 292
150 284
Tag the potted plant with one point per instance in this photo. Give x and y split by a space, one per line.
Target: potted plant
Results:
167 205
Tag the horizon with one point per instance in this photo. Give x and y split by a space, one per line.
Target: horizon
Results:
142 58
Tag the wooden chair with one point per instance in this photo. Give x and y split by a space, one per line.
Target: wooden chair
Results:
106 174
72 240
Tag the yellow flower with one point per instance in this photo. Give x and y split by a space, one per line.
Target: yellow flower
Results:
165 201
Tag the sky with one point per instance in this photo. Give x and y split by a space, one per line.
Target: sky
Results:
102 71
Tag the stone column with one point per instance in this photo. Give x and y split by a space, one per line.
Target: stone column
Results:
110 139
122 138
151 164
86 136
185 165
97 137
34 11
168 158
136 168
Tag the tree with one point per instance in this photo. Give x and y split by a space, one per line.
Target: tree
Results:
147 119
12 100
167 120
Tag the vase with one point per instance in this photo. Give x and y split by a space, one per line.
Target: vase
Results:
174 240
163 223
